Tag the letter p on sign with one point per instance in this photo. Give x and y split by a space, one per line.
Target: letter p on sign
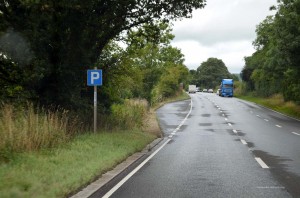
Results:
94 77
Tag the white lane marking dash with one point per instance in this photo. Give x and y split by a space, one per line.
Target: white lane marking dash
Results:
258 116
295 133
266 120
243 142
226 119
229 124
278 126
261 163
234 131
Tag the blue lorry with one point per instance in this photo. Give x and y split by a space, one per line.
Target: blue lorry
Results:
226 88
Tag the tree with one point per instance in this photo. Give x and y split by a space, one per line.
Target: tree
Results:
193 78
211 72
66 37
274 67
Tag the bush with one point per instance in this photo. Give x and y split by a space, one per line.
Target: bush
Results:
128 115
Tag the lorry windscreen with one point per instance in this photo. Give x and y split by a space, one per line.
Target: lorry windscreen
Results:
227 85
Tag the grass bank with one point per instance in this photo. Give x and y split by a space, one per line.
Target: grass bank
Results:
28 169
277 103
59 171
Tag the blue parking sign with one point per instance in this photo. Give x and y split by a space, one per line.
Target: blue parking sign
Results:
94 77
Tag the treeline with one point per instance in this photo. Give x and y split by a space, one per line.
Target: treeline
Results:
210 74
46 48
275 66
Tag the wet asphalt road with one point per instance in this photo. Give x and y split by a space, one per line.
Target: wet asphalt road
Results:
225 148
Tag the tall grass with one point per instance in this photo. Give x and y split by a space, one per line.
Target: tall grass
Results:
58 171
24 129
129 115
277 103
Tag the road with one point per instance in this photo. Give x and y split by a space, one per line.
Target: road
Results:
219 147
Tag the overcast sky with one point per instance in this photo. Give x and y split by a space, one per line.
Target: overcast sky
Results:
223 30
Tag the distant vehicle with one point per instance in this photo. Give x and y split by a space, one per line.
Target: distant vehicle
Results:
192 89
210 91
197 89
204 90
226 88
218 92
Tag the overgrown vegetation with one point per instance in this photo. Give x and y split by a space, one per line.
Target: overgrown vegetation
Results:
23 129
64 169
129 115
274 67
275 102
29 129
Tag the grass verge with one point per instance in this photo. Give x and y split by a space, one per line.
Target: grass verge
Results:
277 103
59 171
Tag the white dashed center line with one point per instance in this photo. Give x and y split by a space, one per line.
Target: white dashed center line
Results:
261 163
234 131
295 133
278 126
243 141
266 120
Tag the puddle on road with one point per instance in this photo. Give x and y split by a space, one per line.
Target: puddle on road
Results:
205 124
279 169
241 133
206 115
250 145
171 141
182 128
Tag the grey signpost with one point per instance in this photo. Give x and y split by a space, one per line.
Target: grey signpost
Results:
94 78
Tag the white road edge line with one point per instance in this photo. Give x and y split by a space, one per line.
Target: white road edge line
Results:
295 133
116 187
243 142
261 163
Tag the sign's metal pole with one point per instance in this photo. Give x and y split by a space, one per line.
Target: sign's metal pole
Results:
95 107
